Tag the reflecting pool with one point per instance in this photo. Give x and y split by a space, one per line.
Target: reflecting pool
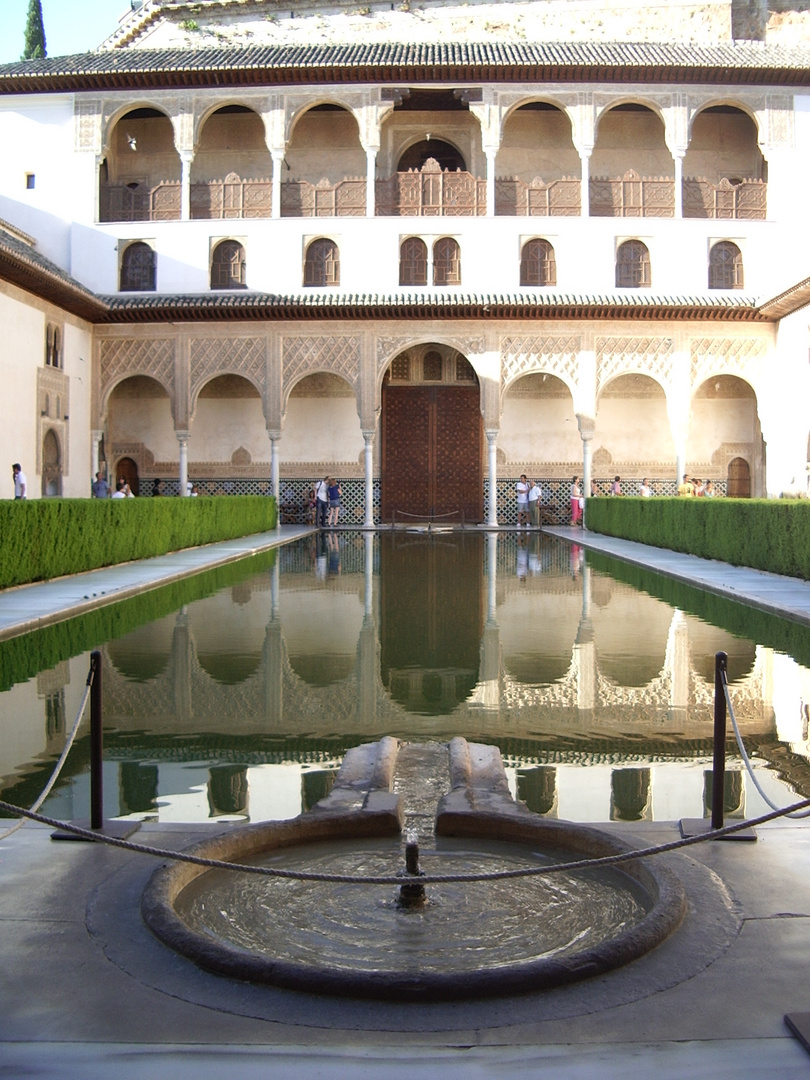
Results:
235 695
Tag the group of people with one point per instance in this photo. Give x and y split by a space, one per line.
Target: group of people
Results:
325 503
529 495
693 488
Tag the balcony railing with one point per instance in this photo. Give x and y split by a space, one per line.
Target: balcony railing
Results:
632 195
231 198
558 198
431 192
347 198
139 202
745 200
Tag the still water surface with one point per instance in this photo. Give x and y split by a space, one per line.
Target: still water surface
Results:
239 705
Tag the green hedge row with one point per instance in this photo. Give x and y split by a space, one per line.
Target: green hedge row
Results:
766 534
46 538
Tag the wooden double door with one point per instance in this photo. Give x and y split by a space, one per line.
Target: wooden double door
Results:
432 464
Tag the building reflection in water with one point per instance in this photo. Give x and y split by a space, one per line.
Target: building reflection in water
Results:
242 704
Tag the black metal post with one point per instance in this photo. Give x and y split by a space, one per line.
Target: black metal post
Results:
96 743
719 757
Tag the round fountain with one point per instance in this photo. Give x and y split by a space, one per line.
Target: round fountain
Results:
417 939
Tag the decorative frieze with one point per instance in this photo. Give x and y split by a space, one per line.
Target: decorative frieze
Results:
651 356
725 356
228 356
136 356
304 355
523 355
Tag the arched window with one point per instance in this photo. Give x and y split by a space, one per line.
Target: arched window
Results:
446 262
138 268
322 263
633 266
413 262
537 263
53 346
447 156
228 266
725 266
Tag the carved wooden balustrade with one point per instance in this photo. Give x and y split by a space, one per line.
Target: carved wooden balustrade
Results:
140 202
431 192
231 198
558 198
347 198
745 200
632 195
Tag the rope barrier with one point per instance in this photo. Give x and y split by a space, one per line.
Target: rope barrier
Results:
427 879
747 761
58 767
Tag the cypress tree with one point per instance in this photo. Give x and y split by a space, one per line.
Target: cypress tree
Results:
34 33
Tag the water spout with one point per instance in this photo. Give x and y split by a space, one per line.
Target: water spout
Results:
412 894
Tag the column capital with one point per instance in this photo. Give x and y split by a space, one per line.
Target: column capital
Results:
587 426
183 436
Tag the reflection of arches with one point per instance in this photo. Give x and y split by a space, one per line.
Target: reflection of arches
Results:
127 469
228 667
143 654
706 641
739 479
416 156
537 788
51 465
630 794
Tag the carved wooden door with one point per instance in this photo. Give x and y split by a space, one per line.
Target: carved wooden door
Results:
432 453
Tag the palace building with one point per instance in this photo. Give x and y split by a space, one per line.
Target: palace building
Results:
423 248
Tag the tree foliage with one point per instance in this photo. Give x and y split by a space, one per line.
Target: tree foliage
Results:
34 33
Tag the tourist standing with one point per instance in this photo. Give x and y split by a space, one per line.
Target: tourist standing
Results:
100 489
334 491
685 489
645 491
616 486
535 494
576 495
522 492
709 491
20 483
322 501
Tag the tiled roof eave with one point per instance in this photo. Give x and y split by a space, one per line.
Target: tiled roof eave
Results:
499 62
36 276
240 306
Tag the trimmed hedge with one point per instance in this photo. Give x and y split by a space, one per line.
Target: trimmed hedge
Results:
766 534
47 538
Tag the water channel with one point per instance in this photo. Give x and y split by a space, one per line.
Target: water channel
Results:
235 695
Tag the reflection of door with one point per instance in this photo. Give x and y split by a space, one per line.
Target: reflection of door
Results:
51 465
739 479
431 452
126 469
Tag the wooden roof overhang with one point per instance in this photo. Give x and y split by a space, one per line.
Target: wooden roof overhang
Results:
747 64
270 307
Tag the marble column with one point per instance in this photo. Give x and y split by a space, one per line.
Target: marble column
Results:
585 184
492 475
275 438
186 158
586 426
275 185
371 182
491 155
368 468
678 159
95 446
182 438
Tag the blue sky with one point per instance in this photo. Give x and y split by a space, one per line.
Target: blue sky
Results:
71 26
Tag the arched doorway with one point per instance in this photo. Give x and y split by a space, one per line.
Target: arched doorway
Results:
739 479
127 469
432 437
51 465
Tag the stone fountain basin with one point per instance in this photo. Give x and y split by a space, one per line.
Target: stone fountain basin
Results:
362 808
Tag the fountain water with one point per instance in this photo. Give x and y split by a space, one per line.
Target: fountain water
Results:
414 940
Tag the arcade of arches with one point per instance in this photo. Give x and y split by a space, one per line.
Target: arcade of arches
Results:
424 425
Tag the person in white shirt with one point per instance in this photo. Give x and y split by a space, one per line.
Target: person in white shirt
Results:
535 494
20 483
522 492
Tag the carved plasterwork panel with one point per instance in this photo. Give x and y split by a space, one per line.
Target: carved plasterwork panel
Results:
726 356
87 126
779 120
153 357
304 355
557 355
641 355
232 356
